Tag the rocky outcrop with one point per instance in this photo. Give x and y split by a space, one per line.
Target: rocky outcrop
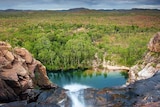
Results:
41 98
150 63
98 64
19 71
154 44
141 93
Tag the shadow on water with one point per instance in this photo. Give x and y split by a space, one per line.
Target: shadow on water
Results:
96 79
124 74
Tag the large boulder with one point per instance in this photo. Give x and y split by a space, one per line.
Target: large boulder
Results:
147 72
24 54
41 79
154 44
4 45
19 71
8 55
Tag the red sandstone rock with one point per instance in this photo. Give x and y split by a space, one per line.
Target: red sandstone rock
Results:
6 58
42 80
4 45
19 71
28 57
20 51
8 55
24 54
3 61
32 67
9 74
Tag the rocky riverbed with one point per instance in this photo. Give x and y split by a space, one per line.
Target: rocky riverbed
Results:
24 83
142 93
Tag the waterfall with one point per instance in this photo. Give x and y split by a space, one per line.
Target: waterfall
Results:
75 93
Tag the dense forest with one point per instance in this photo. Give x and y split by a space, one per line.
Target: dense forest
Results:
64 40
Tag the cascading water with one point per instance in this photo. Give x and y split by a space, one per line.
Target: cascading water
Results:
76 94
89 79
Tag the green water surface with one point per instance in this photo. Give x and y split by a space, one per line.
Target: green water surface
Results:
99 79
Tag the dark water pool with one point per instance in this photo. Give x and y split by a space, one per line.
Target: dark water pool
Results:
99 79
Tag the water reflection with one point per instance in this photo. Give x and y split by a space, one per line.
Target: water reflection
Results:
97 79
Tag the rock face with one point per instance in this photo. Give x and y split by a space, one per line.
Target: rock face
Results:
142 93
150 63
19 71
41 98
154 44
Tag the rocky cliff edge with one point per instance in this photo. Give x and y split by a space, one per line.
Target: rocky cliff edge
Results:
19 71
150 64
